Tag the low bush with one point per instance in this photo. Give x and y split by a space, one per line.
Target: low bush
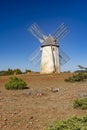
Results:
17 71
80 103
74 123
27 71
15 83
10 72
77 77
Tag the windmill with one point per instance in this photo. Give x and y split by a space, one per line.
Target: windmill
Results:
51 54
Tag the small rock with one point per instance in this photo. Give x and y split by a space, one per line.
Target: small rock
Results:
27 92
15 112
37 120
30 122
31 117
5 119
55 90
39 94
81 95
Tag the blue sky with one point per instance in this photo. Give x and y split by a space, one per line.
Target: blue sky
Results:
16 43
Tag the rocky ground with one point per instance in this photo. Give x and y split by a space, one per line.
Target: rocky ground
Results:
48 98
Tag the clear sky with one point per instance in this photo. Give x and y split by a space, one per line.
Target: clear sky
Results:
16 43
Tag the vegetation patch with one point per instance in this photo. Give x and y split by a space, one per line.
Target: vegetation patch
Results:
15 83
80 103
77 77
13 72
73 123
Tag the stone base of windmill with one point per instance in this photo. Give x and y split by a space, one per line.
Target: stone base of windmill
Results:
49 70
43 71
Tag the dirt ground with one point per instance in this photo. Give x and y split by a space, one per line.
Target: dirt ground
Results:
37 107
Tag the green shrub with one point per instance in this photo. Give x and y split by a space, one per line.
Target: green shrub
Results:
17 71
15 83
74 123
84 107
10 72
80 103
27 71
77 77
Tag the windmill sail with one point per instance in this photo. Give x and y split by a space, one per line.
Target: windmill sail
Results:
36 31
35 57
63 57
61 32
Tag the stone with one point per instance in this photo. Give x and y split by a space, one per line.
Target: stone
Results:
27 92
30 122
81 95
31 117
37 120
55 90
5 119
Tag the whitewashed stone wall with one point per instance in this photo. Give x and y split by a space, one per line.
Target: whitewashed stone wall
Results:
48 63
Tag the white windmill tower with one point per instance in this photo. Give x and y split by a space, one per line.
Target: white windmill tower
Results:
52 57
